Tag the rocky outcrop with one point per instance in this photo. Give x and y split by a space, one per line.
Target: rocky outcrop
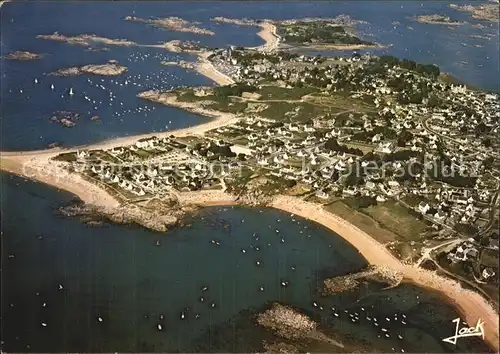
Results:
109 69
22 55
286 322
85 39
290 324
438 20
173 24
154 214
350 282
488 12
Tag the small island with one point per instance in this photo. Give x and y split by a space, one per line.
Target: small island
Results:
487 12
437 20
85 39
65 118
173 24
108 69
22 55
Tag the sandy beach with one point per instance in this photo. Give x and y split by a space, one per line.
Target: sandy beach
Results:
37 165
205 68
269 34
471 305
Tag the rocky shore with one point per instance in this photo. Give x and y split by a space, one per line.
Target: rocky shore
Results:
170 99
286 322
22 55
153 214
290 324
65 118
173 24
108 69
178 46
85 39
350 282
239 22
181 63
488 12
437 20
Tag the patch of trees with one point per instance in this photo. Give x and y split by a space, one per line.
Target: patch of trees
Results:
355 176
242 157
363 202
409 172
440 171
224 150
481 129
387 132
416 97
223 92
433 101
428 69
306 32
408 64
403 155
332 144
486 142
488 162
389 60
404 137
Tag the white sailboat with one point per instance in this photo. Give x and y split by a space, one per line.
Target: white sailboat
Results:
36 81
52 87
71 91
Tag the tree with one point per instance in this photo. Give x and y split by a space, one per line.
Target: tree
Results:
242 157
433 101
408 64
416 97
404 137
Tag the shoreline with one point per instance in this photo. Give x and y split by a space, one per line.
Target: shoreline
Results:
37 165
471 305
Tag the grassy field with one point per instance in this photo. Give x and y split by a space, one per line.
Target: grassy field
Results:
228 106
386 222
281 93
398 219
362 221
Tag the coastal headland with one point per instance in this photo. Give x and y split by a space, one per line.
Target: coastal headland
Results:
46 165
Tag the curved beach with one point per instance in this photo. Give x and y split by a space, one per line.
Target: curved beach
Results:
471 305
38 166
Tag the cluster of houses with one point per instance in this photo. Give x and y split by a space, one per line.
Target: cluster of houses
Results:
153 166
325 159
460 126
467 251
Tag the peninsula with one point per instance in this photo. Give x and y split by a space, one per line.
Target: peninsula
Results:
383 151
336 33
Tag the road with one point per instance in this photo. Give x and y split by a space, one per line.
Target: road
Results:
427 251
